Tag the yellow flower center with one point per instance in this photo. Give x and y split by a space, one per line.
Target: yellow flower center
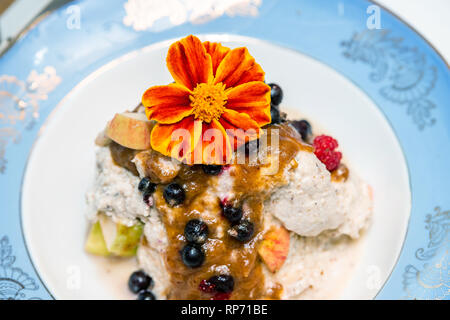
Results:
208 101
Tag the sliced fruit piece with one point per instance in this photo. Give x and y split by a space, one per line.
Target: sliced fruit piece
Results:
120 240
131 130
127 240
274 248
95 243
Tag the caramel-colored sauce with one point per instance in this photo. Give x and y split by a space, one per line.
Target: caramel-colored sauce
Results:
223 253
340 174
239 259
261 177
122 157
274 292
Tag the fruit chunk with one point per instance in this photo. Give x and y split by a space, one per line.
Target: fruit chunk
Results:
274 248
303 127
276 94
243 231
95 243
324 150
146 295
139 281
192 255
174 194
131 130
232 214
275 115
146 185
108 238
127 239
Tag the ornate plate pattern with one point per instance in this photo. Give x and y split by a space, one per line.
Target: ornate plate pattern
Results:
403 73
397 68
14 283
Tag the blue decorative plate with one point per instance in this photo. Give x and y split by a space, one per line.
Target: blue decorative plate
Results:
403 75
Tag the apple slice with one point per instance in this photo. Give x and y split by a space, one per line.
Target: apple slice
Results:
127 240
120 240
274 248
109 238
95 242
131 130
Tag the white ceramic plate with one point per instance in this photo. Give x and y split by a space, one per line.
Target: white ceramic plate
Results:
61 166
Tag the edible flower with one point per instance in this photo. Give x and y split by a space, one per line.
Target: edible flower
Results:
218 102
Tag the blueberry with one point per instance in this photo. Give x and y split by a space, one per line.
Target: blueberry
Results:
174 194
303 127
146 295
213 170
222 283
276 94
192 255
146 186
243 231
233 214
139 281
196 231
275 115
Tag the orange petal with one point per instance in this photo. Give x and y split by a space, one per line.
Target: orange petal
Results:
177 140
167 104
189 63
217 53
252 98
238 67
239 127
215 144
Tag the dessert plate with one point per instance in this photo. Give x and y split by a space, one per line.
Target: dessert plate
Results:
382 92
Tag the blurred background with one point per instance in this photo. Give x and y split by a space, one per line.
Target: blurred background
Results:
429 17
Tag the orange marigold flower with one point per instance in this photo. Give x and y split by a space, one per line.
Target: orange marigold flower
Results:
219 101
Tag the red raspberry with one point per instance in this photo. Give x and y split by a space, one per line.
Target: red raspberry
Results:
324 150
206 286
